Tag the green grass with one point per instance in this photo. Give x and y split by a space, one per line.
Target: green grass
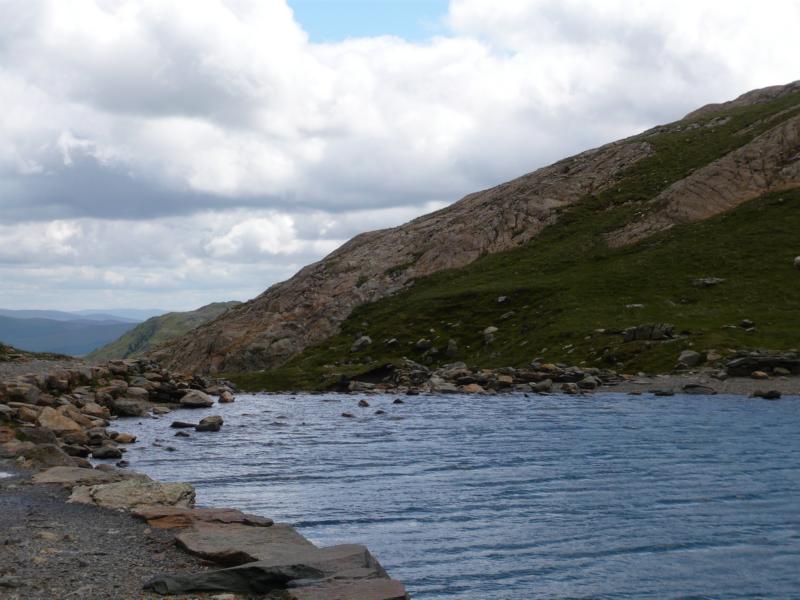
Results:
567 283
157 330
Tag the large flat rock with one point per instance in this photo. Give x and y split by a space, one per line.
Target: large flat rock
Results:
134 493
347 571
369 589
235 544
73 476
175 517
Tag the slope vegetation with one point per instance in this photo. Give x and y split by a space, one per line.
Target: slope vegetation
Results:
567 246
569 293
157 330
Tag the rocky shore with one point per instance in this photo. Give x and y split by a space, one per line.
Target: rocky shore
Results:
63 518
754 374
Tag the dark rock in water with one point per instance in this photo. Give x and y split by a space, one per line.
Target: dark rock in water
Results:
767 395
410 393
182 425
196 399
380 412
398 401
212 423
123 464
128 407
363 404
348 415
698 389
182 434
106 452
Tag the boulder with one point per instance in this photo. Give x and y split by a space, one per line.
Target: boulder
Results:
128 407
162 410
690 358
124 438
137 393
212 423
57 422
590 382
196 399
570 388
361 343
134 493
102 452
226 397
236 544
542 387
47 455
27 413
285 565
174 517
92 409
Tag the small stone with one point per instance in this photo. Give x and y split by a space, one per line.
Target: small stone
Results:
767 395
399 401
183 425
226 397
380 412
125 438
747 324
348 415
123 464
182 434
106 452
363 403
759 375
361 343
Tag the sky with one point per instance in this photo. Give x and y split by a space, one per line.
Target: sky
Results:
171 153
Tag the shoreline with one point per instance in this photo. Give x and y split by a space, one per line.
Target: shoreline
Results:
51 421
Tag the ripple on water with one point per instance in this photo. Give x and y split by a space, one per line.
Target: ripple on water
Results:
516 497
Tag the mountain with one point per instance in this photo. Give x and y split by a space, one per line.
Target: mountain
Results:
560 261
132 314
76 337
156 330
58 315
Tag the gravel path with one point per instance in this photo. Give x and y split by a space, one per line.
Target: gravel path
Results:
53 550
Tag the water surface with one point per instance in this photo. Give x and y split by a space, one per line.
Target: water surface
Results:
608 496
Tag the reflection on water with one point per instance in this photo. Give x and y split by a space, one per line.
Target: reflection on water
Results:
516 497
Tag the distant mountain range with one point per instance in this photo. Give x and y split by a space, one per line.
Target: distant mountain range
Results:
75 337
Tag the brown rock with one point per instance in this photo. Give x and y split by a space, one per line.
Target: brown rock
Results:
212 423
472 388
57 422
759 375
196 399
124 438
173 517
226 397
134 493
70 477
234 544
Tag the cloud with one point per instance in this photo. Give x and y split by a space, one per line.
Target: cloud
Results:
146 144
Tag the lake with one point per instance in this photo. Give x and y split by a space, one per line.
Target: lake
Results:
604 496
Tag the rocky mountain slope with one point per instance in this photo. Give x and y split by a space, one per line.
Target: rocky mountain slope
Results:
157 330
595 207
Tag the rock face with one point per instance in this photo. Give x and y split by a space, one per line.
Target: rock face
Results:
769 163
268 330
308 308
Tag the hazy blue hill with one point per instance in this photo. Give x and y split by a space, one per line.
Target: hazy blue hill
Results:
75 337
59 315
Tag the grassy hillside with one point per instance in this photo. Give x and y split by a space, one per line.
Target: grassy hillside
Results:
568 293
158 330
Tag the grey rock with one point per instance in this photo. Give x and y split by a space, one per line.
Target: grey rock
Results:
212 423
182 425
767 394
128 407
698 389
797 262
652 331
196 399
106 452
690 358
707 282
361 343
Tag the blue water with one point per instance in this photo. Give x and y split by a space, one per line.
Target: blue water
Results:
507 497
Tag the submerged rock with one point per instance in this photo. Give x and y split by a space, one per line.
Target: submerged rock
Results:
196 399
212 423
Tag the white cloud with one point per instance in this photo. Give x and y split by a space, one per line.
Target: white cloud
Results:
208 148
